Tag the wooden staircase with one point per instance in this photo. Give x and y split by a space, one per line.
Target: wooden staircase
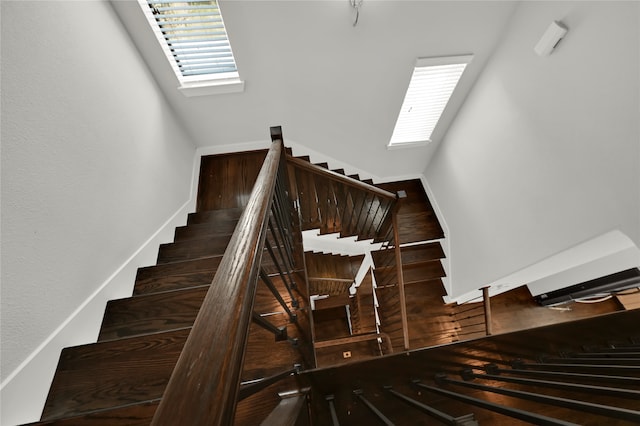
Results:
120 379
148 352
584 372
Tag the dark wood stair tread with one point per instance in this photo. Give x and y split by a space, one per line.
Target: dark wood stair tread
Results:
151 313
139 414
114 373
172 276
193 249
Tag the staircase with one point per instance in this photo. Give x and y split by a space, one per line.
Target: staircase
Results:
220 330
121 378
583 372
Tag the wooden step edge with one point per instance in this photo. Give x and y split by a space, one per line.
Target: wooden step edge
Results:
156 294
214 215
153 268
161 262
137 336
102 339
121 414
173 282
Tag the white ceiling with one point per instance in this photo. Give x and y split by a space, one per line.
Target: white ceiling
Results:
334 88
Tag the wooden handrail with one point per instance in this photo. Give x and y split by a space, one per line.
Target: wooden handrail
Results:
301 164
203 388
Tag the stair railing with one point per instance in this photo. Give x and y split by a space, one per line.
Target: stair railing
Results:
338 203
204 386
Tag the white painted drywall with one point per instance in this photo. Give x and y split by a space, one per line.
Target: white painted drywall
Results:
545 152
333 87
94 165
600 256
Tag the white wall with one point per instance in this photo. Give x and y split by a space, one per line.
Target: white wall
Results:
545 152
93 164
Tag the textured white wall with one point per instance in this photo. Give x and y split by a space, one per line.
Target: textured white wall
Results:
545 152
93 164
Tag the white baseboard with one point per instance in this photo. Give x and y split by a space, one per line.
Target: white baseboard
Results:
23 393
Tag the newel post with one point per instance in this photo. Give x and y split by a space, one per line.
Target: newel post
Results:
487 310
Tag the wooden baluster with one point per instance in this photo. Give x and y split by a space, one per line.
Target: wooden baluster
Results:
366 213
320 184
307 200
363 230
371 219
349 210
359 204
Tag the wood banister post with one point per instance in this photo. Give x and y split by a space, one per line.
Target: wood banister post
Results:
276 133
486 299
400 274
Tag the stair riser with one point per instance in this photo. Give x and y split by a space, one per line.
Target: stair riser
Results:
193 249
135 415
176 282
204 230
214 215
182 268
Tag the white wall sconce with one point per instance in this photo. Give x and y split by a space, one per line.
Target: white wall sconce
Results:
550 38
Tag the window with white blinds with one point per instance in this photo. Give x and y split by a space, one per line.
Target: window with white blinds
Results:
194 38
431 86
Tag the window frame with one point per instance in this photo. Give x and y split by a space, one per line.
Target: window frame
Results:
412 91
197 85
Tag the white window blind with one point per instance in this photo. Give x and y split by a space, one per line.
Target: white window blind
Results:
431 86
194 38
